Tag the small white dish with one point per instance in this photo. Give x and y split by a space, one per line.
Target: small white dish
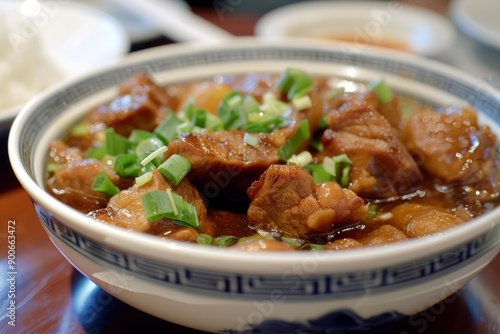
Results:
478 19
377 23
75 38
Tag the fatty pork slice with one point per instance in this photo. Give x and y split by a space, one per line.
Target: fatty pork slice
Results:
141 104
72 184
451 146
222 164
381 165
286 201
125 210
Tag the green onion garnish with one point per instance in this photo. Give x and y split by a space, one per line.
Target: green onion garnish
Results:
175 168
268 125
232 111
167 129
251 139
319 174
53 167
302 102
316 144
335 92
125 165
115 143
148 146
159 204
104 185
286 151
136 136
302 159
294 242
79 130
204 239
143 179
96 152
225 240
153 155
383 91
294 83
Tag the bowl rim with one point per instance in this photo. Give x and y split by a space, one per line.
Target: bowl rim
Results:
193 255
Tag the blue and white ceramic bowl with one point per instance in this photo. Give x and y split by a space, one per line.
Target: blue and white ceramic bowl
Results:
216 290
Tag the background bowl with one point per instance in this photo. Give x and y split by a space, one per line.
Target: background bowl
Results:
217 290
389 24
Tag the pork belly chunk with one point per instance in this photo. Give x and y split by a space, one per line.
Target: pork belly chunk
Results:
222 164
382 166
141 104
286 202
72 184
454 148
125 210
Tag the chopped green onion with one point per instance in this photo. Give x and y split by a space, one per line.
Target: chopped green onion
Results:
175 168
137 135
167 129
53 167
143 179
294 242
294 83
323 124
79 130
302 159
344 179
225 240
302 102
199 118
148 146
153 155
335 92
271 106
319 174
313 247
125 165
232 111
104 185
268 125
294 143
329 166
251 139
214 123
204 239
171 199
116 143
96 152
157 205
383 91
372 210
316 144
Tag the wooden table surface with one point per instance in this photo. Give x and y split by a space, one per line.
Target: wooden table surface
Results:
52 297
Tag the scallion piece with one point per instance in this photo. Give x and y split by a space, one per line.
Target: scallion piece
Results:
294 143
319 174
232 111
335 92
294 83
116 143
136 136
302 102
167 129
383 91
225 240
204 239
148 145
79 130
158 204
302 159
329 166
213 123
251 139
294 242
175 168
143 179
96 152
153 155
316 144
268 125
125 165
104 185
53 167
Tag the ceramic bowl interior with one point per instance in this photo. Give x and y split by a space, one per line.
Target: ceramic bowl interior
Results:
170 279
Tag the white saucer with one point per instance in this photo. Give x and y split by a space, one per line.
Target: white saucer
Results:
478 19
76 38
410 27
